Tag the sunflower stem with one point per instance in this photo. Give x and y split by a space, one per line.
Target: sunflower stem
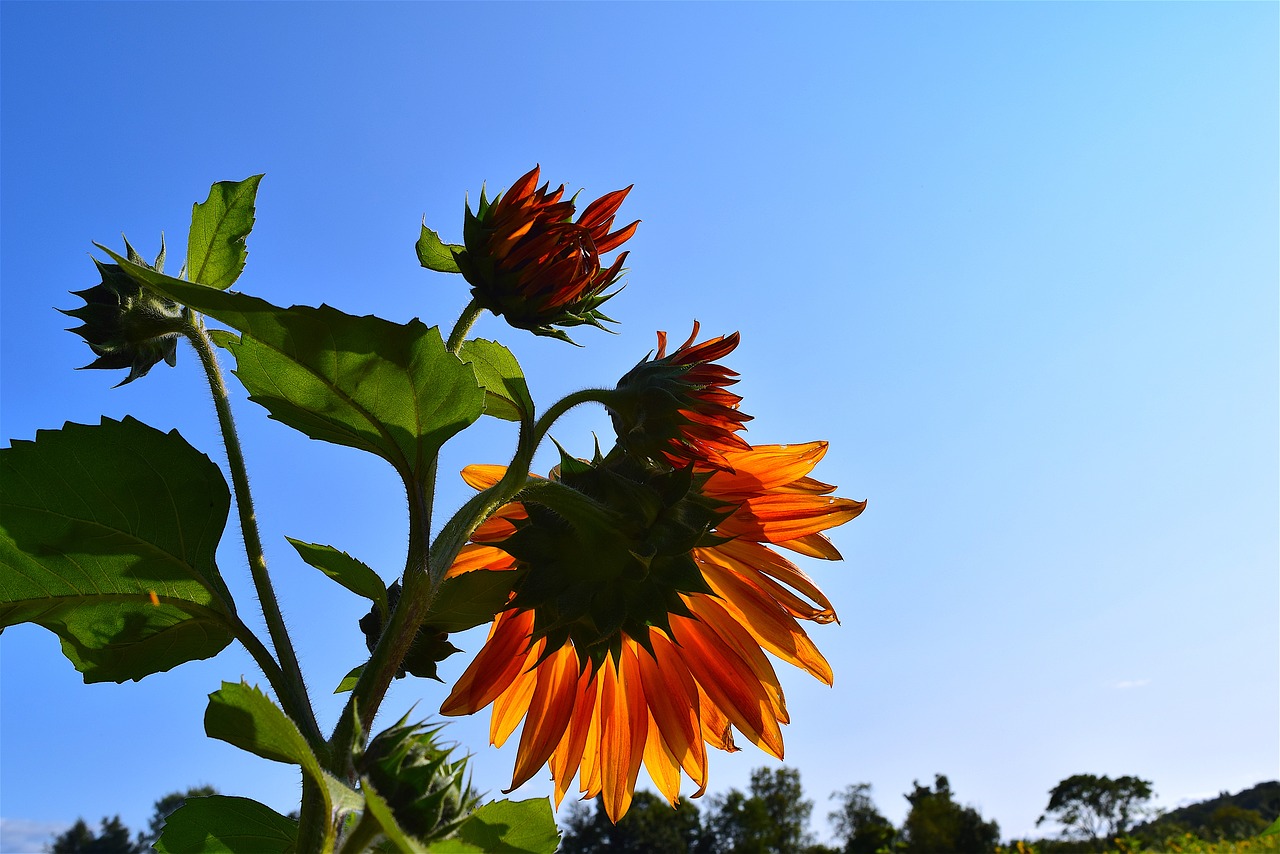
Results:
603 396
466 320
287 678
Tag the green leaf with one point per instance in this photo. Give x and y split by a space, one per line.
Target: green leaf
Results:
344 569
1273 830
506 393
349 681
470 599
223 338
506 827
381 810
220 823
435 254
216 243
240 714
94 519
388 388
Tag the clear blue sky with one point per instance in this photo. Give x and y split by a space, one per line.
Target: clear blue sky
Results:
1017 262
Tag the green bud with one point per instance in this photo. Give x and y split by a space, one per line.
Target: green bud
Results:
125 325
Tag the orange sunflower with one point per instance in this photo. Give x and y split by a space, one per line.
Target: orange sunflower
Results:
637 631
529 262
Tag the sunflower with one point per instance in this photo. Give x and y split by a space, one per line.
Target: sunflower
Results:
527 260
607 681
677 408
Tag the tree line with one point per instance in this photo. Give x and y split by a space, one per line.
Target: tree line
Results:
1090 814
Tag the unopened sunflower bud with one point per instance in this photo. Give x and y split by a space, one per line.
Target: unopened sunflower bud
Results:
529 262
125 325
677 408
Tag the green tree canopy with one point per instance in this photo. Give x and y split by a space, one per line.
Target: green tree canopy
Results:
859 826
936 824
112 838
772 819
649 826
1096 808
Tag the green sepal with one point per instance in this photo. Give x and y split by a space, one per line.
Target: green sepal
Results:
506 392
221 823
387 388
95 520
435 254
352 574
222 338
216 251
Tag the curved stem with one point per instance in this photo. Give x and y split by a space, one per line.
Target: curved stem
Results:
290 688
563 405
469 316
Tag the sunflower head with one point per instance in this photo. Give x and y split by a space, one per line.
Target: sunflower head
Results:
677 408
608 549
408 768
527 260
125 325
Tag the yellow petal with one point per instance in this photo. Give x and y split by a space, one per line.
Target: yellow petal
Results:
480 476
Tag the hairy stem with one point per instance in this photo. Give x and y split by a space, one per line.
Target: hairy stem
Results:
287 681
469 316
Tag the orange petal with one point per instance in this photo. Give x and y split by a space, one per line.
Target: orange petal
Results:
717 731
752 560
624 722
479 476
765 467
767 621
813 545
741 642
672 695
728 683
474 557
499 662
550 710
661 764
567 756
777 518
513 703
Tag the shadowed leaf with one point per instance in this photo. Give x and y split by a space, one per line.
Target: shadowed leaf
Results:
99 519
219 823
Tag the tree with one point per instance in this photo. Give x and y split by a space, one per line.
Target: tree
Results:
650 825
112 839
772 819
936 824
164 808
859 825
1096 809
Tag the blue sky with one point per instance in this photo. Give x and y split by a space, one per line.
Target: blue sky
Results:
1017 262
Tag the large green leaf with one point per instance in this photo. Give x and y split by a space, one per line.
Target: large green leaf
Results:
96 519
352 574
220 823
506 827
215 245
506 393
435 254
388 388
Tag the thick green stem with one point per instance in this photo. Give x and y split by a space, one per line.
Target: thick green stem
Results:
460 329
290 688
